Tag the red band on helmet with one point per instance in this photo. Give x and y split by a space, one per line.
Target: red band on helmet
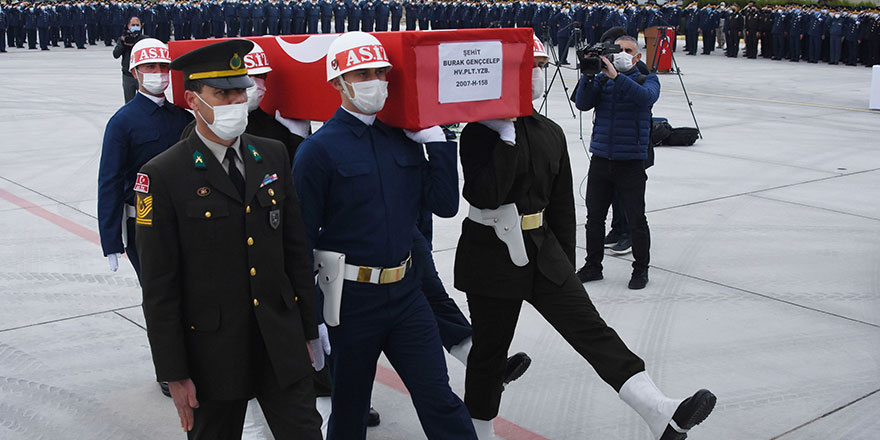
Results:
361 55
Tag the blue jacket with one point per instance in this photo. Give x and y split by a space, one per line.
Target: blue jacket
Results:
362 188
135 134
622 123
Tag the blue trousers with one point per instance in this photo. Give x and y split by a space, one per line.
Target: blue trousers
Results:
563 48
836 44
794 48
397 320
815 48
451 323
778 45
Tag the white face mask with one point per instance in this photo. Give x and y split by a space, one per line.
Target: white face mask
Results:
623 62
230 120
155 83
369 96
255 94
538 83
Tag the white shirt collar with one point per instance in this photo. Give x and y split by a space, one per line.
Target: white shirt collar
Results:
158 100
366 119
219 151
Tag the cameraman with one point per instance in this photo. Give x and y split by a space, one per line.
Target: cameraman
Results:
123 49
622 97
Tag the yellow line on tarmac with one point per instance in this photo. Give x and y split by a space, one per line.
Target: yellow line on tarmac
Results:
774 101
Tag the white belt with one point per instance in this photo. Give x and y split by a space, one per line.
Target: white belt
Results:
377 275
130 211
508 226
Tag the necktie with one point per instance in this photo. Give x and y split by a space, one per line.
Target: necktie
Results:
235 175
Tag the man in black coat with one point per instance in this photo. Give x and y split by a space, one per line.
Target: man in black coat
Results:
518 244
227 279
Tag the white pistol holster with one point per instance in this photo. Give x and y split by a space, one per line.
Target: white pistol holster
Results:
331 268
128 212
507 224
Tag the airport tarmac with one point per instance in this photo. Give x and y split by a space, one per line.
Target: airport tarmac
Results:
765 278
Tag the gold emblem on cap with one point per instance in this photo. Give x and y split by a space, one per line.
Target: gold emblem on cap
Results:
235 62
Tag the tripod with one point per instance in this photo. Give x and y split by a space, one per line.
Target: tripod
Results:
556 73
664 43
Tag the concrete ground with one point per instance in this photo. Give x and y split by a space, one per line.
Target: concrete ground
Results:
765 285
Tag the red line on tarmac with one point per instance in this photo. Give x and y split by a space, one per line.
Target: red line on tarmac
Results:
503 428
68 225
386 376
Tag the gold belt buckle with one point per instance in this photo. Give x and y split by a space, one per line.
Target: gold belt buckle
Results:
532 221
395 274
365 274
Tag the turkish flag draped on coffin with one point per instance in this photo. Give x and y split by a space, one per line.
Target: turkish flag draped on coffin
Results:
438 77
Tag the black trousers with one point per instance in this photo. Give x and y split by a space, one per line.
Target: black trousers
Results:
129 87
627 179
569 310
290 411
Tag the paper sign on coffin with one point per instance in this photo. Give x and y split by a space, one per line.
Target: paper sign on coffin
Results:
439 77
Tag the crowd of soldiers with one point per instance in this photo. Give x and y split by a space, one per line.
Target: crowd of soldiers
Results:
790 31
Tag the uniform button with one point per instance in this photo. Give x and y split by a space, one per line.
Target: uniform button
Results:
253 271
207 214
250 241
295 298
274 202
256 302
271 192
247 209
192 327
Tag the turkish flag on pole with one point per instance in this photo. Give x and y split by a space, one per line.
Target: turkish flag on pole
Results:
438 77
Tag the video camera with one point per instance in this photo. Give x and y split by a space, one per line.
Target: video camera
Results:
589 57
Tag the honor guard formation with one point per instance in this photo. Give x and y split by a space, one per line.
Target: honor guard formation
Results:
793 31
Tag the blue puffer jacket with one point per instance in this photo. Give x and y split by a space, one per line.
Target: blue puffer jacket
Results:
622 124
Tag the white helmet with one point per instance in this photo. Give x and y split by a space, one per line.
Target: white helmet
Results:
256 61
353 51
149 50
538 48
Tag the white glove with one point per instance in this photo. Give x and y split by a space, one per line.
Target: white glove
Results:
430 134
298 127
113 259
320 347
504 128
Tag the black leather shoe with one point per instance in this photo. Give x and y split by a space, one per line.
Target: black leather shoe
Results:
373 417
690 413
638 281
589 273
165 390
516 367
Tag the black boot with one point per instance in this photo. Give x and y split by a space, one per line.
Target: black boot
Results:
690 413
516 367
639 280
589 273
373 417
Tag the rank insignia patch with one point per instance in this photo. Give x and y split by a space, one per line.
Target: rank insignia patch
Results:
142 183
198 160
254 152
274 218
144 210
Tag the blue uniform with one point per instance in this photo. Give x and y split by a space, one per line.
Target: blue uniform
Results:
273 18
383 11
795 34
561 23
852 35
368 16
354 17
3 26
835 32
340 11
362 189
135 134
326 9
396 15
815 32
313 16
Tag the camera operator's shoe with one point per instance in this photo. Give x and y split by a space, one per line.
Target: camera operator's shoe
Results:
373 417
613 237
516 367
622 247
589 273
639 280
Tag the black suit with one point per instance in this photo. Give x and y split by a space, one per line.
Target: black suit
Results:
228 288
535 175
